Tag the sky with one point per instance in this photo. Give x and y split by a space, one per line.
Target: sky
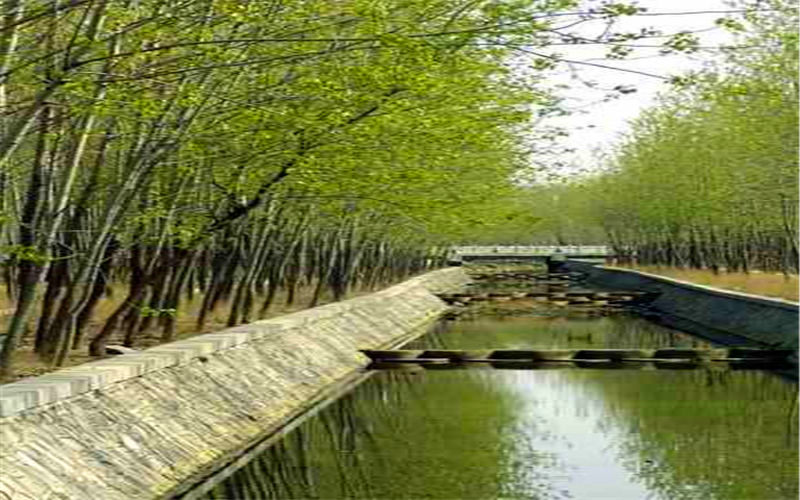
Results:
594 125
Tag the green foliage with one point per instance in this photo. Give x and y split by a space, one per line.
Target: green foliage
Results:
230 134
150 312
25 253
708 176
215 106
237 148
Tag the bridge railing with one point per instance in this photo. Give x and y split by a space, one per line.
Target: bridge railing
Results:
532 250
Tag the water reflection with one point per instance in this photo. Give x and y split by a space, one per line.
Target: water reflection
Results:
722 435
612 332
399 435
491 434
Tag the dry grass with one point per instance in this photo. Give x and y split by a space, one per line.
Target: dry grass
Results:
756 282
26 363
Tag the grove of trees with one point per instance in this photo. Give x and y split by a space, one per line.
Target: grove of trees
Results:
233 149
707 178
233 152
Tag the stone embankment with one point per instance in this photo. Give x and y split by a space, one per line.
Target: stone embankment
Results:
138 425
721 315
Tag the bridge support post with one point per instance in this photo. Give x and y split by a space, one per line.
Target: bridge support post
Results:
555 263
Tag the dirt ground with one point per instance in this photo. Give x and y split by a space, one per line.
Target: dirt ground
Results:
756 282
26 363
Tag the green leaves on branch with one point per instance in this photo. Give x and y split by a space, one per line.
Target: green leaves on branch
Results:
20 253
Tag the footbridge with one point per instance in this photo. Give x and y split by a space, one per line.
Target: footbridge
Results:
519 252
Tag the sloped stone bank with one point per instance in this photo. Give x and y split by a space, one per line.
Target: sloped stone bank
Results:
721 315
138 425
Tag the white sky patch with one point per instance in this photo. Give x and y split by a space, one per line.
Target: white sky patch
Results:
594 126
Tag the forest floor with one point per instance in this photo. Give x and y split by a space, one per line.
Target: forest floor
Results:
755 282
27 364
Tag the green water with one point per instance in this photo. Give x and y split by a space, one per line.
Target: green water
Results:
551 332
541 434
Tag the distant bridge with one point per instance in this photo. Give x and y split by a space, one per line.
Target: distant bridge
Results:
519 252
566 250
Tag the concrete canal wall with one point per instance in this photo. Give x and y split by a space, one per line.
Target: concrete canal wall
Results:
725 316
138 425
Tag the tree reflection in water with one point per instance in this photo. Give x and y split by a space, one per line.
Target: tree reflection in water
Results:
512 434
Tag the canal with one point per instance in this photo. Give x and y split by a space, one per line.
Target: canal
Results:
445 432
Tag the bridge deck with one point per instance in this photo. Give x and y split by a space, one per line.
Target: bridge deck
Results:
533 251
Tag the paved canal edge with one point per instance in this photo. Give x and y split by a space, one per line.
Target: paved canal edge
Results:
138 425
722 316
